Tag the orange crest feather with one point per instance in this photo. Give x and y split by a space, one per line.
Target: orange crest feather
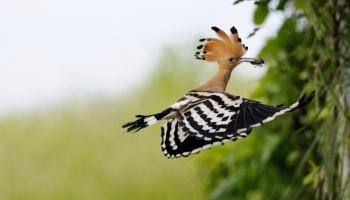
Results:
226 47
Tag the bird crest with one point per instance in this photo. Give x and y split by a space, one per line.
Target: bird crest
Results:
228 48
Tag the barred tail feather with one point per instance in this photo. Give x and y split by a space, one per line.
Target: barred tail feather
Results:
146 120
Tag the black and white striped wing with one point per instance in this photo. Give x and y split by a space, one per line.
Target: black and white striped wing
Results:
216 119
209 117
176 143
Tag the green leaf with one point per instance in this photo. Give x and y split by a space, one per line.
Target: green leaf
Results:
311 178
260 14
300 4
281 4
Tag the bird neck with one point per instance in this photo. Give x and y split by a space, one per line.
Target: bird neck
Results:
218 82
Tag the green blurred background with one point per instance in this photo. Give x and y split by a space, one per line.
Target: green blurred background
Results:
77 149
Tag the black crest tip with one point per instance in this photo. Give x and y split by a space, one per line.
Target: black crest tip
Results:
200 46
239 40
202 40
214 28
233 30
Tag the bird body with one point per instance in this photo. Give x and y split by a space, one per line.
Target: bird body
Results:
209 116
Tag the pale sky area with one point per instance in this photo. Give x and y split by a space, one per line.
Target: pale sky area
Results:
51 50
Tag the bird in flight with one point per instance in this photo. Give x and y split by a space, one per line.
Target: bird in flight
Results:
207 116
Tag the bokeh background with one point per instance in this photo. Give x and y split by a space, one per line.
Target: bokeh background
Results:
72 72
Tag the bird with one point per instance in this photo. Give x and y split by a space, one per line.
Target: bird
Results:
208 115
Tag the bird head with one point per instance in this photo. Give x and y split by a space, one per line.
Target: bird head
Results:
227 50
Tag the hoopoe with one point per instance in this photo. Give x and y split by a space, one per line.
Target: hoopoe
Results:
207 115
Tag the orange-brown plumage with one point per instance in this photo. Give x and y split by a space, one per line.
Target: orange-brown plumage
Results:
218 50
227 51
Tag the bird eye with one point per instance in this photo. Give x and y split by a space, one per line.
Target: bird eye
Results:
230 59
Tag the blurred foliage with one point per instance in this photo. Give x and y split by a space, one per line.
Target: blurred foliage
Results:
79 151
304 154
260 14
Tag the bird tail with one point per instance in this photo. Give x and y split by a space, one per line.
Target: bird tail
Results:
146 120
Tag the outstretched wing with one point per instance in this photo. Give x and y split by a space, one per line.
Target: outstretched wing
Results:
216 119
176 143
222 116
